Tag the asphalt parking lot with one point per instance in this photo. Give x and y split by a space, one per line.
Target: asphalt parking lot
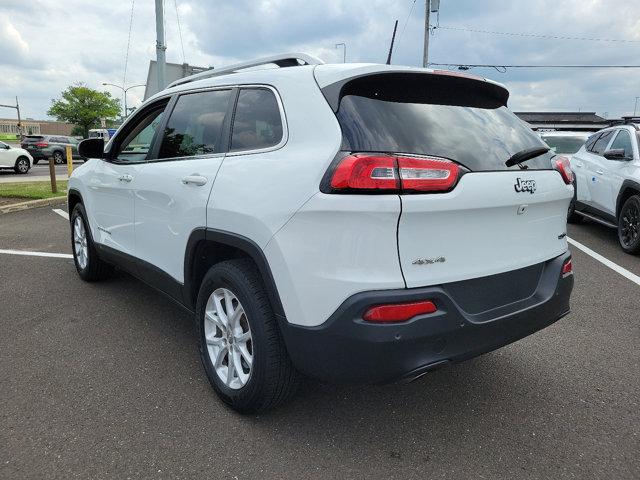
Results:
104 380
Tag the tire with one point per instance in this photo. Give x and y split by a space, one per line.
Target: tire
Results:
270 379
22 165
58 158
629 225
572 216
89 266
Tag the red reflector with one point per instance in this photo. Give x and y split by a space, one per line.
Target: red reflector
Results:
399 312
42 145
390 173
563 165
567 268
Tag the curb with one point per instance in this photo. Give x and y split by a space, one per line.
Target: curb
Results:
45 202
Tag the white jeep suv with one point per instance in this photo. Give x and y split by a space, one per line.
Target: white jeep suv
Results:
352 222
607 181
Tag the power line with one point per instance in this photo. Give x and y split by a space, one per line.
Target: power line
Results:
503 68
536 35
406 22
175 3
126 57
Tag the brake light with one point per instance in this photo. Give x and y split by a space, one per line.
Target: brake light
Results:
567 268
399 312
42 145
563 165
390 173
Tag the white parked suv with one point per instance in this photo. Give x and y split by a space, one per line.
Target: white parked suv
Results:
17 159
607 181
353 222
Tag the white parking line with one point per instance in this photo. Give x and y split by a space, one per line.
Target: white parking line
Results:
36 254
605 261
62 213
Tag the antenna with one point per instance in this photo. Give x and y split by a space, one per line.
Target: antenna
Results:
393 38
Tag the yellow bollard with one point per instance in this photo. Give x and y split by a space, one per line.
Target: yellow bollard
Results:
69 161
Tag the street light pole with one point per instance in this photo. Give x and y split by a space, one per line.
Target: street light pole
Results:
124 91
344 51
17 108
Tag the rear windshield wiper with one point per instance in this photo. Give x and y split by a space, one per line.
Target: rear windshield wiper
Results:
526 154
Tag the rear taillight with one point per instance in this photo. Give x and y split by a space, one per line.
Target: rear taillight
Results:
42 145
389 173
398 312
563 165
567 268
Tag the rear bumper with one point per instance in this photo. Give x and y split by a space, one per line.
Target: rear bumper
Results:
346 349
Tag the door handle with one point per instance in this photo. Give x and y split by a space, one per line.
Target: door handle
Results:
125 178
599 172
198 180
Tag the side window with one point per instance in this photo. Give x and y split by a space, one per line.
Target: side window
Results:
257 122
623 140
195 125
135 147
602 142
591 141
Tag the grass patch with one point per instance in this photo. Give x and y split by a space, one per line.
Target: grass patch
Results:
32 190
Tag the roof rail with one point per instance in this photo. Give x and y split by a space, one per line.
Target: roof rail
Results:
282 60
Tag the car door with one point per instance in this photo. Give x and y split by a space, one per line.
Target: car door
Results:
600 185
592 164
7 159
580 166
112 185
173 187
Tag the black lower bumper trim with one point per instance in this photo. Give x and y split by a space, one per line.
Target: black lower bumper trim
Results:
346 349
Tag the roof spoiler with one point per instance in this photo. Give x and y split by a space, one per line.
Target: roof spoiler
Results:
281 60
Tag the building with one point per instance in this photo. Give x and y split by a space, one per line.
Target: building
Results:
9 126
572 121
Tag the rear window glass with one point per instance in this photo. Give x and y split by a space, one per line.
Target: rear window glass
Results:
568 145
33 138
450 122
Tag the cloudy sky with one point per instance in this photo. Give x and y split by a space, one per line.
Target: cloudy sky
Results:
46 45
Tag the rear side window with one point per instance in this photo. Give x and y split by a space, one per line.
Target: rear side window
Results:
602 142
257 123
195 125
430 115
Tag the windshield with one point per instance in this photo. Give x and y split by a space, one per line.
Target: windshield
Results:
478 137
568 145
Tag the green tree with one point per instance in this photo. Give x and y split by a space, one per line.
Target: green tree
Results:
84 107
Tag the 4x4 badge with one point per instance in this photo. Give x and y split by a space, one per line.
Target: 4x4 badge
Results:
525 186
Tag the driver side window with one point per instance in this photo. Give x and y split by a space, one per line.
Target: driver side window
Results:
136 145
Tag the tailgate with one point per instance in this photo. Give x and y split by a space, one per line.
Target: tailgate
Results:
483 227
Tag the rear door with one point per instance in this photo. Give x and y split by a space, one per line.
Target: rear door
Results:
494 218
173 187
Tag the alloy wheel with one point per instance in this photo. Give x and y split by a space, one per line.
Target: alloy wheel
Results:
630 225
80 243
228 338
23 166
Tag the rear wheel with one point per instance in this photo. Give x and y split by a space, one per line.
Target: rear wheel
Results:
241 347
629 225
58 158
22 165
85 256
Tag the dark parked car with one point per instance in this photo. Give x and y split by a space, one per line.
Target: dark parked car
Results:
44 147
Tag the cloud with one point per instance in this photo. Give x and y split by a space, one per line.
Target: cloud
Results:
89 44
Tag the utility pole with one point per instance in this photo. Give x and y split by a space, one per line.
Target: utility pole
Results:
635 107
16 107
344 51
425 54
160 46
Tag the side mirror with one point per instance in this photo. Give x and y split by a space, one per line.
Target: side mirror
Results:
91 148
615 154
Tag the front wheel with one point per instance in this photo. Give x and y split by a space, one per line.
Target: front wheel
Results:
241 346
85 256
22 165
629 225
